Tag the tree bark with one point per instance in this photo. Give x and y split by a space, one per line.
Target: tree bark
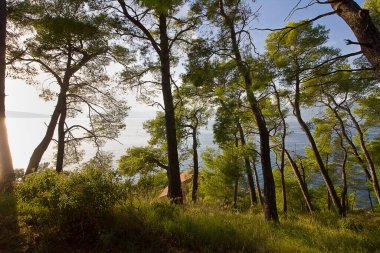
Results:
362 26
257 183
61 137
326 178
282 154
175 191
248 169
7 175
270 207
301 183
343 195
195 165
39 151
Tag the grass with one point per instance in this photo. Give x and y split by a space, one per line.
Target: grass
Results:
161 227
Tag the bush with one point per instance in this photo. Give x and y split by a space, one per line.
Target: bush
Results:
70 204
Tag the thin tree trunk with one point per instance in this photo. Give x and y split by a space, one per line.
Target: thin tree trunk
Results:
248 169
326 178
282 154
61 137
371 165
236 187
195 165
364 29
349 141
301 183
175 191
270 207
343 195
7 175
257 182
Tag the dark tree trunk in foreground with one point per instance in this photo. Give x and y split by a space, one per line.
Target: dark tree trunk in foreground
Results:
270 208
163 50
7 175
364 29
175 191
61 137
301 183
195 165
248 169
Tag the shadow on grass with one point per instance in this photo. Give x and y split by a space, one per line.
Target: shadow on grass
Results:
10 238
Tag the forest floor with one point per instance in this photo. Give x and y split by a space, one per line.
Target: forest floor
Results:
161 227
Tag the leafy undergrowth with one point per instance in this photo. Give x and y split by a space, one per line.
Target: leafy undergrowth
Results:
87 212
161 227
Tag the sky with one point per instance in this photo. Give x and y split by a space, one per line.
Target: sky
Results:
24 98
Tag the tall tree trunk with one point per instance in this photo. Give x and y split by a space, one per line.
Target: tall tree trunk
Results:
301 183
282 154
175 191
195 165
326 178
61 137
362 26
248 169
270 207
7 175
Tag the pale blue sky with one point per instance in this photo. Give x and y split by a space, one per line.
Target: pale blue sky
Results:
22 97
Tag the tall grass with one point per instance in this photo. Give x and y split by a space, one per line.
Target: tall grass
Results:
89 211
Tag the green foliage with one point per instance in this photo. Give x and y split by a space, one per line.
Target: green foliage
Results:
70 203
221 172
142 161
374 10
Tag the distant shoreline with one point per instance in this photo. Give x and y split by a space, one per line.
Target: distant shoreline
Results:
16 114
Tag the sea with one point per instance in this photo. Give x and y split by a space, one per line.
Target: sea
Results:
25 133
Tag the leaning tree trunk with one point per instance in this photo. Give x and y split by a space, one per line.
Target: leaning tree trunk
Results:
61 137
174 185
371 165
362 26
248 169
349 141
326 178
39 151
270 207
301 183
7 175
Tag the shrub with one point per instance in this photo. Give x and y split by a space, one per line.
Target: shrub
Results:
73 203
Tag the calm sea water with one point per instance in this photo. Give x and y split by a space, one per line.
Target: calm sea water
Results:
26 133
